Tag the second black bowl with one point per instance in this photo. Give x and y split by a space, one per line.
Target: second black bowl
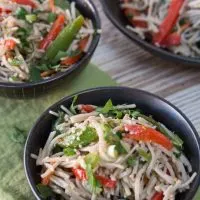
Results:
159 108
24 90
117 17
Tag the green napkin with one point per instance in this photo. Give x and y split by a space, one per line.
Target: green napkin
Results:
23 113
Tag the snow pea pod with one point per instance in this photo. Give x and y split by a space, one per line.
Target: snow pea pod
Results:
65 38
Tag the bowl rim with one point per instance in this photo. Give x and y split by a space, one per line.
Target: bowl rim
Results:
61 75
66 98
144 44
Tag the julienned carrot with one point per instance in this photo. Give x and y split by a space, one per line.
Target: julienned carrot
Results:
169 21
184 26
83 43
55 30
52 5
131 13
71 60
47 73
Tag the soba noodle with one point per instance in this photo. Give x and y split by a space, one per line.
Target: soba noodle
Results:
92 153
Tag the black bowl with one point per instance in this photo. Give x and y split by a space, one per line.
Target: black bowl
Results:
24 90
161 110
117 17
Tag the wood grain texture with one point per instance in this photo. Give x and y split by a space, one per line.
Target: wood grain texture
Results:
131 66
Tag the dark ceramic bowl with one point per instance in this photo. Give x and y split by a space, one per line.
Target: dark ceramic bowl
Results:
117 17
159 108
24 90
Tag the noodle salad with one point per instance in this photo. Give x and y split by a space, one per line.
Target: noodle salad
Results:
169 24
111 152
39 38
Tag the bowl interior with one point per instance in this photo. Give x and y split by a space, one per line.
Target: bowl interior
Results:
150 104
88 10
117 17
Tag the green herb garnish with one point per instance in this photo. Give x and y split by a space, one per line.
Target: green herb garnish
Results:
113 139
21 13
72 109
146 156
108 107
69 151
93 159
31 18
74 141
131 161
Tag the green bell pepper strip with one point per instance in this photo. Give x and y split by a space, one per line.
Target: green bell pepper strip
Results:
65 38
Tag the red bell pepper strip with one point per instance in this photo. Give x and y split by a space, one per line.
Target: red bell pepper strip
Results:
79 173
106 182
169 21
10 44
71 60
55 30
174 39
26 2
87 108
146 134
158 196
83 43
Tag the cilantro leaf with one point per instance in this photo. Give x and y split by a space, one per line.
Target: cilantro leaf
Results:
113 139
92 181
72 109
131 161
108 107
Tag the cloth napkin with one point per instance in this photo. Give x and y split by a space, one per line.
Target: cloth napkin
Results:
22 114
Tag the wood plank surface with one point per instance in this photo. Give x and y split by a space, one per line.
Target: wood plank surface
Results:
131 66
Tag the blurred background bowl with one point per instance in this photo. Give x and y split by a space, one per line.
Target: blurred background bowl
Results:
30 90
115 14
150 104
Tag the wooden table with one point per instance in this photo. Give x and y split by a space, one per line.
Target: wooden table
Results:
131 66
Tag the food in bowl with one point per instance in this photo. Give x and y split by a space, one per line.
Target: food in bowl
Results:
111 152
40 38
169 24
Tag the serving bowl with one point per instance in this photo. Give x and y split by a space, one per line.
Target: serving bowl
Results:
159 108
117 17
32 89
